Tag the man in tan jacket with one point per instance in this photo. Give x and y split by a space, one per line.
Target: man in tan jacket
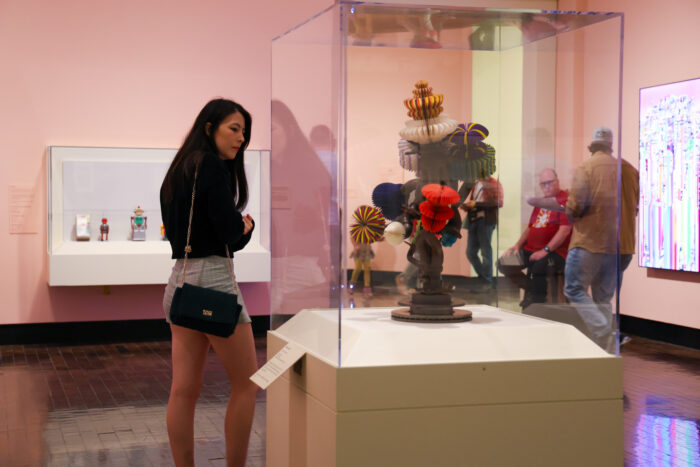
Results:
593 208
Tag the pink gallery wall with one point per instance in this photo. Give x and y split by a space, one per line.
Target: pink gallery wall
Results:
659 47
124 74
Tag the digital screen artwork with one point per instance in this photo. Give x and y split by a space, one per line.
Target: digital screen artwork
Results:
669 176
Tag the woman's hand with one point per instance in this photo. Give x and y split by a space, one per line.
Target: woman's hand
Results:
247 224
538 255
467 205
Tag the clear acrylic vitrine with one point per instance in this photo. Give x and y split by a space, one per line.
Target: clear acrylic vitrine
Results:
514 92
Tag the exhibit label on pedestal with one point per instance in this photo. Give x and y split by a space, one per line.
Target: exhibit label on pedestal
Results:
281 362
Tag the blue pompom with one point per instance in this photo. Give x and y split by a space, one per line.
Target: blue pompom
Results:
387 197
447 239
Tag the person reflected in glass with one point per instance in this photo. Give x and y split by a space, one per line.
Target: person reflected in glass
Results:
305 254
542 246
214 147
592 261
362 255
481 207
325 144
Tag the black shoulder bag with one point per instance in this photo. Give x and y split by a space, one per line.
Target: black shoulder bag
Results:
201 309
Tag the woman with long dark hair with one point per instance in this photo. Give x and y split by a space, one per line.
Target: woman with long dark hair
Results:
214 150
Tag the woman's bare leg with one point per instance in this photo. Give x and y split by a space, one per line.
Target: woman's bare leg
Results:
237 354
189 352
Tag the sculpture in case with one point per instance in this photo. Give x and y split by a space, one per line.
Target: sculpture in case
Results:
445 156
139 223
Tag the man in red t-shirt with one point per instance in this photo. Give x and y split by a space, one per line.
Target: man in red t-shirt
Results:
543 244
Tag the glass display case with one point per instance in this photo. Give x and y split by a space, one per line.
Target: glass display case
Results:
505 95
104 223
437 151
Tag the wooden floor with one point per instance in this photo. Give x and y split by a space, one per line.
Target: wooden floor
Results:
100 405
662 404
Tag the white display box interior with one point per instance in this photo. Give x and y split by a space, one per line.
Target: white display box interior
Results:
494 391
110 183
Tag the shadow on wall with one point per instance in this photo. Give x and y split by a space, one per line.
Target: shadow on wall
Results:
302 269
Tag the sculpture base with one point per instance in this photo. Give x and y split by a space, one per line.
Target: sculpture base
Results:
138 236
404 314
431 308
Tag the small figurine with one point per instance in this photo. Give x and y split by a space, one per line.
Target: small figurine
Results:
367 229
139 223
82 227
104 230
362 254
162 232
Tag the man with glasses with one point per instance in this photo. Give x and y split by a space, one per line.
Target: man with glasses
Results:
542 246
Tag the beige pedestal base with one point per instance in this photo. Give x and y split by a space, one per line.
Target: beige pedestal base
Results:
562 410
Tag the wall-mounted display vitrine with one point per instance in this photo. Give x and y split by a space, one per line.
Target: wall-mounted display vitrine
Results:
120 187
387 120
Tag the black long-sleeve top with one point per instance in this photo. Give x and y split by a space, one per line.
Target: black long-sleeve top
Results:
215 223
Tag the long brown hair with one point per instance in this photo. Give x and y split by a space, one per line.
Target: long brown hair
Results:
198 142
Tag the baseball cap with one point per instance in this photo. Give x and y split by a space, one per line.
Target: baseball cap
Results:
602 135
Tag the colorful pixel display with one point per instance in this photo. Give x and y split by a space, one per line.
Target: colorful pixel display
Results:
669 176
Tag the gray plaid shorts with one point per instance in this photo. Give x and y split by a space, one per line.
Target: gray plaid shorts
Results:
211 272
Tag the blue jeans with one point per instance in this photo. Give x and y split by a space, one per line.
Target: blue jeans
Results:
597 271
480 239
409 276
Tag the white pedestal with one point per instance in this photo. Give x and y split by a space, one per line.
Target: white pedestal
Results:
503 389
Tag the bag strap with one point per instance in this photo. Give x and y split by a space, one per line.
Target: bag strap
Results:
188 248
